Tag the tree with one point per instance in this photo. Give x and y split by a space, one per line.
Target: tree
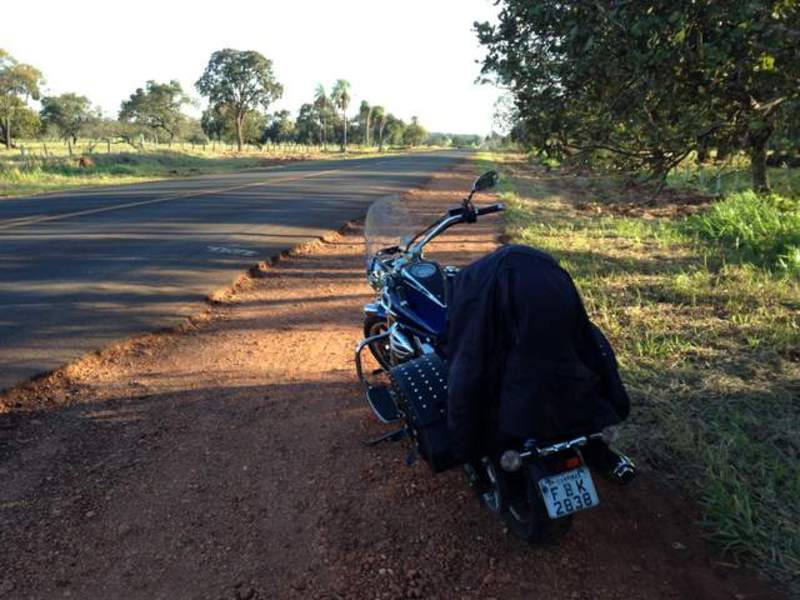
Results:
364 120
219 123
414 134
68 114
240 80
157 107
322 105
646 86
341 99
395 128
280 128
18 82
308 126
380 119
214 121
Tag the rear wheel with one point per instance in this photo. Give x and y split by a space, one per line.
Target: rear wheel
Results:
527 516
380 350
516 499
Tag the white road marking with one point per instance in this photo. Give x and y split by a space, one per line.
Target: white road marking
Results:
234 251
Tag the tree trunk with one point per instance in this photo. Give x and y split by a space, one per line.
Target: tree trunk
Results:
8 132
723 151
344 137
239 123
758 158
69 146
702 153
758 168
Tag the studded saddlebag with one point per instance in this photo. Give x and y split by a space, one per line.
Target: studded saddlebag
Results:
419 387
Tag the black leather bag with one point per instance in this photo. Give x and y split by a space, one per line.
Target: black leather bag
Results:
419 387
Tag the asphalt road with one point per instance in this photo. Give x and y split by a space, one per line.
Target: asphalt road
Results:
82 269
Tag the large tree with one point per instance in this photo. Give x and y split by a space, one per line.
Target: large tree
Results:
242 81
647 82
340 96
18 83
157 107
68 114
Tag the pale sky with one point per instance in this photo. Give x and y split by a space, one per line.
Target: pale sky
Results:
415 57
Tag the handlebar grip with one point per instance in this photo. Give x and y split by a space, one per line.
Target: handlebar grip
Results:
492 208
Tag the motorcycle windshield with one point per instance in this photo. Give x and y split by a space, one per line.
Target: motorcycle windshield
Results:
388 223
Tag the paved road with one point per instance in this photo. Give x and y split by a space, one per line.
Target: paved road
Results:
82 269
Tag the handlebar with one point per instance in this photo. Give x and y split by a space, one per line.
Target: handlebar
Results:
492 208
461 214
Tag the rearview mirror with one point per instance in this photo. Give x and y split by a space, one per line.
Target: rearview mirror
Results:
486 181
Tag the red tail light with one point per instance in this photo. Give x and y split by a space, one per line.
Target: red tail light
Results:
573 462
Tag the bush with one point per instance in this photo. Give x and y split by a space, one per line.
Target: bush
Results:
764 230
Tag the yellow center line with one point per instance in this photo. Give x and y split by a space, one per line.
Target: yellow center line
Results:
193 194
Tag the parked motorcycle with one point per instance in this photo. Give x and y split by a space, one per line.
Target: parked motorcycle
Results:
535 488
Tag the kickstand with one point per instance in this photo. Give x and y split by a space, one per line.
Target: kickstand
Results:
392 436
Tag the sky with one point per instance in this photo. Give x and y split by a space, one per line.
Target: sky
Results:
414 57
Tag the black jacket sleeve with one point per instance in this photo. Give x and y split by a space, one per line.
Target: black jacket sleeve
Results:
470 334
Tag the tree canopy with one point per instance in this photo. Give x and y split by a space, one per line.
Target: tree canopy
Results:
67 113
241 81
157 107
415 134
340 96
647 82
18 82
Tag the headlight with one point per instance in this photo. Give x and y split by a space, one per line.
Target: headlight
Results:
376 277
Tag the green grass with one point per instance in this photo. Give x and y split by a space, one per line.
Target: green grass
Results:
47 166
763 230
709 349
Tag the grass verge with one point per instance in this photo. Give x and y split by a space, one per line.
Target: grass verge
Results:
42 168
709 349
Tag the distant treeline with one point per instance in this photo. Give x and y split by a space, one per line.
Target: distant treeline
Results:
240 87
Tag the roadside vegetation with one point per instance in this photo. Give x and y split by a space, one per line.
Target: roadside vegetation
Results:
59 141
666 179
46 166
704 312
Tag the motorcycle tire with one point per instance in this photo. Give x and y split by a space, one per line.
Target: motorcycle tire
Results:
527 516
379 350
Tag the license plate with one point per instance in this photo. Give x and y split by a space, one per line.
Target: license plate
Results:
568 493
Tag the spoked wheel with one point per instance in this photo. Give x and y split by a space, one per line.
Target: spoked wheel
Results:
380 349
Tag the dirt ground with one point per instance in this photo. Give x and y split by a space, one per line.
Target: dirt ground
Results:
223 461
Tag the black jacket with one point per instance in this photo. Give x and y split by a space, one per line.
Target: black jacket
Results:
524 359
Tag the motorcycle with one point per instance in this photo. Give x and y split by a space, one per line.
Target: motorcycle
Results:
537 487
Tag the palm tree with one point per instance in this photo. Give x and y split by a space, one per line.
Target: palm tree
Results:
365 117
380 116
340 95
321 103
